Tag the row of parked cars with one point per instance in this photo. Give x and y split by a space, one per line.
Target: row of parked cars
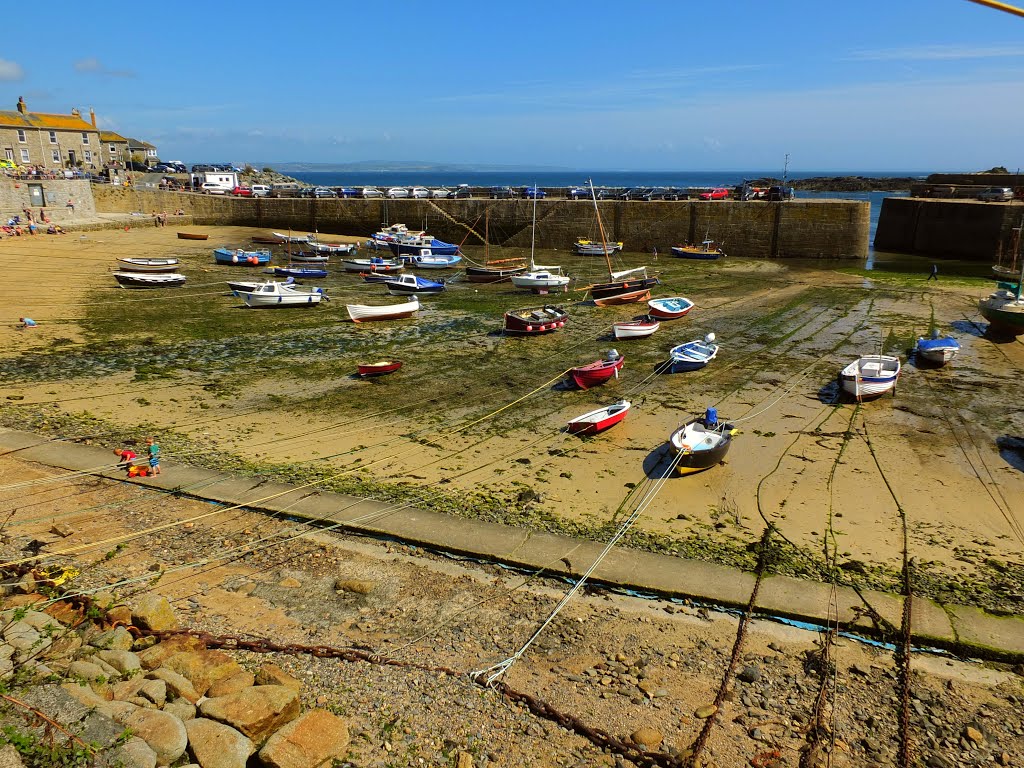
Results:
573 193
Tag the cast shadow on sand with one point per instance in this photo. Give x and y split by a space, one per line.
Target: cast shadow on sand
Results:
658 462
1011 449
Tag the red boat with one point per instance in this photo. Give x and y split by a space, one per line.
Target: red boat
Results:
630 297
599 420
534 320
379 368
587 376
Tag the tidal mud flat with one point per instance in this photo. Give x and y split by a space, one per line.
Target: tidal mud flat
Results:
473 423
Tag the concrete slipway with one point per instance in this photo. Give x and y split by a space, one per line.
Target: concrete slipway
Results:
962 629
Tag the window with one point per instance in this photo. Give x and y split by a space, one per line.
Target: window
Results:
55 154
9 153
113 149
21 135
53 137
85 137
88 156
24 155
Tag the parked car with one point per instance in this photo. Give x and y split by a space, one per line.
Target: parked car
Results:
460 191
674 193
241 191
780 193
718 193
398 192
162 168
322 192
137 167
502 193
346 192
213 188
441 192
534 192
419 193
996 194
371 192
577 193
260 190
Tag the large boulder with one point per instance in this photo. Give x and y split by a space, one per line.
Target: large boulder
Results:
215 745
203 668
271 674
154 613
316 738
256 712
124 662
136 753
232 684
155 656
178 686
164 733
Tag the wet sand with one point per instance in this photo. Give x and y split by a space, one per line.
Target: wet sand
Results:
477 415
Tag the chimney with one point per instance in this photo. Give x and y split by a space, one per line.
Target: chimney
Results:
93 116
21 105
75 112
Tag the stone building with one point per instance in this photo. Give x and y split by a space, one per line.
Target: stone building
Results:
50 141
113 149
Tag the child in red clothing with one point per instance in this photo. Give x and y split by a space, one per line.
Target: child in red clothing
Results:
126 456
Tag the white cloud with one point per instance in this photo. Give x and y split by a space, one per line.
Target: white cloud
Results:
10 71
937 53
92 65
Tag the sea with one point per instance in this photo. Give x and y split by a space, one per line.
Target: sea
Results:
685 179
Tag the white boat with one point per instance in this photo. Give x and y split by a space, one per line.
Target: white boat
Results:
289 238
938 349
276 294
379 240
308 257
361 313
539 279
147 265
410 285
635 329
375 264
427 259
590 248
693 354
329 248
870 376
149 280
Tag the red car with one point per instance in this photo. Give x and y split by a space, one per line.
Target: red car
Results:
720 193
241 192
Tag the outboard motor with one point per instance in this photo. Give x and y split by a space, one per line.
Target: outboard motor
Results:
711 417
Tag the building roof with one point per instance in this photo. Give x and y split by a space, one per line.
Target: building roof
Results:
14 119
136 144
109 136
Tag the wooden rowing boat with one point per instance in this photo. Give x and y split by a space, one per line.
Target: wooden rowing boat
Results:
192 236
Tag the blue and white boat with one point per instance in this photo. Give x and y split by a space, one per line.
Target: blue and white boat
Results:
310 273
387 234
693 354
938 349
428 259
410 285
413 243
240 257
870 376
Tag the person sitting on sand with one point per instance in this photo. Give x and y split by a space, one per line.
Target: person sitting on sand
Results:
26 322
55 229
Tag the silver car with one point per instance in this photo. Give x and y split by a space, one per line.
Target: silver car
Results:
996 194
441 192
372 192
419 193
398 192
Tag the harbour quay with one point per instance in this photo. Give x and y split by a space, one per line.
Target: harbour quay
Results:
970 230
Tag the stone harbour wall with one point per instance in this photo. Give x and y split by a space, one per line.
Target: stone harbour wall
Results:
17 194
959 229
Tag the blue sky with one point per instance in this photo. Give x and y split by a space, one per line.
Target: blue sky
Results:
872 85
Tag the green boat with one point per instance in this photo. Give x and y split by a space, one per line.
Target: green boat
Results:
1004 311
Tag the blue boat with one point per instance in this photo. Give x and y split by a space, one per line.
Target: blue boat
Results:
307 272
413 245
693 354
241 258
410 285
938 349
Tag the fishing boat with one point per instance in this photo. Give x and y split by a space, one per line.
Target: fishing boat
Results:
591 248
596 373
240 257
937 349
289 238
380 368
669 309
412 243
628 283
535 320
693 354
379 240
273 294
870 376
427 259
331 248
309 273
147 265
635 329
701 443
374 264
410 285
192 236
706 250
149 280
361 313
493 271
599 420
629 297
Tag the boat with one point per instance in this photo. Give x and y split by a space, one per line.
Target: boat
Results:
669 309
706 250
247 286
192 236
289 238
265 240
1012 270
310 273
147 265
628 284
273 294
701 443
629 297
1004 308
374 264
379 368
379 240
493 271
412 243
535 320
240 257
427 259
540 279
410 285
596 373
380 277
331 248
599 420
693 354
937 349
308 257
870 376
149 280
361 313
635 329
590 248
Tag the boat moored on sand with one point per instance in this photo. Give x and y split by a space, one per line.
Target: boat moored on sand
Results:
701 443
870 376
598 421
532 321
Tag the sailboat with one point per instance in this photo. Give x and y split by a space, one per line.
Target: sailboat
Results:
491 271
1004 309
1009 271
540 279
625 287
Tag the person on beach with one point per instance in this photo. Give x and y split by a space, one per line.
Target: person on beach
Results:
26 322
935 273
153 448
70 205
125 457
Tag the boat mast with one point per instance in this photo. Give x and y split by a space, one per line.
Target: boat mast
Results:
487 236
1020 278
533 229
600 226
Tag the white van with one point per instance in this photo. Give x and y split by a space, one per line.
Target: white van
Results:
260 190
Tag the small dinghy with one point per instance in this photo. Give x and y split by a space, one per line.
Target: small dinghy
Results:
147 265
379 368
535 320
240 257
693 355
669 309
148 280
599 420
635 329
279 238
870 376
361 313
593 374
192 236
310 273
938 349
376 264
701 444
629 297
